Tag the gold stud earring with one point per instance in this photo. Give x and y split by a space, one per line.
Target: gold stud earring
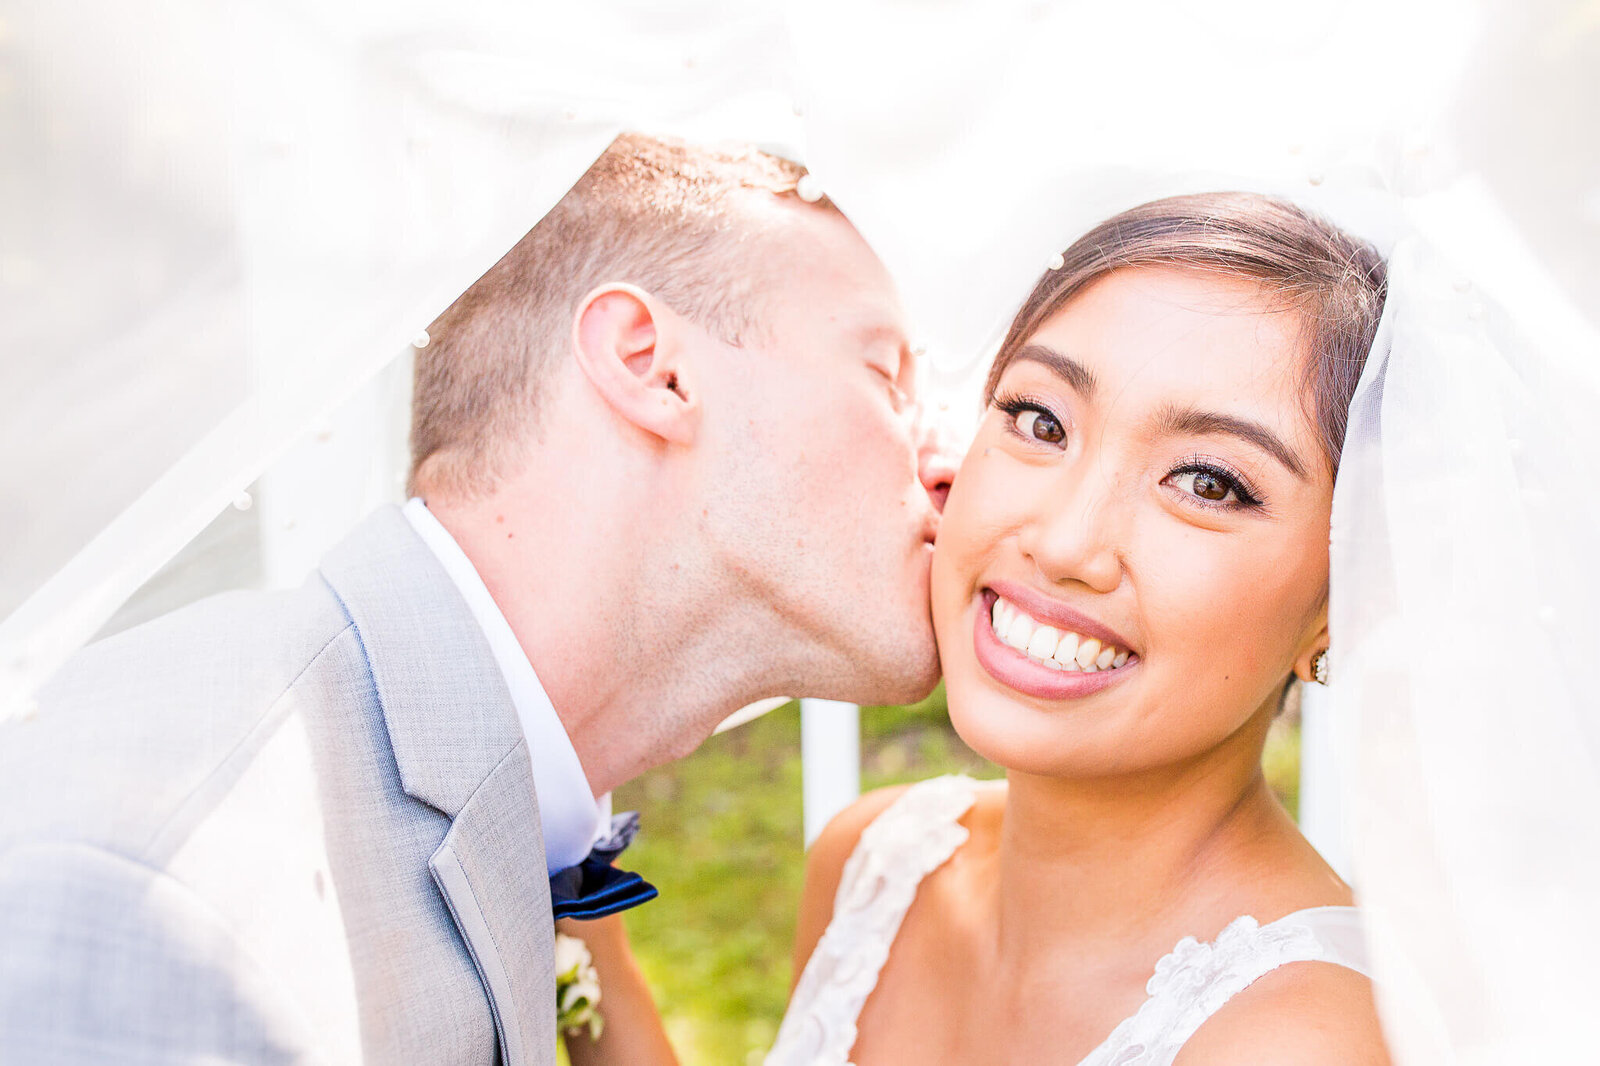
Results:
1319 667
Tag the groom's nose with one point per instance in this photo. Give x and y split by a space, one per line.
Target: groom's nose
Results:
936 454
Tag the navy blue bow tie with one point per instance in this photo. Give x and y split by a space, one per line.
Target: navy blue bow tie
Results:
594 888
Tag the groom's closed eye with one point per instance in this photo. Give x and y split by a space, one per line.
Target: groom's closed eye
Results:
892 367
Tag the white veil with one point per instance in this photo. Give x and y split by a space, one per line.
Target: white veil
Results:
228 221
1464 533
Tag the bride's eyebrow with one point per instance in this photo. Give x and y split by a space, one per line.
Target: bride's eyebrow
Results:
1189 420
1068 369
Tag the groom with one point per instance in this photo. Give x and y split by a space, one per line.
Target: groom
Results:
665 464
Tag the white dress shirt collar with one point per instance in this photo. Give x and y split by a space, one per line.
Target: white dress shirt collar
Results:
568 811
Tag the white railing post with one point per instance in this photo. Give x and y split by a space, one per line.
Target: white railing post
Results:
830 760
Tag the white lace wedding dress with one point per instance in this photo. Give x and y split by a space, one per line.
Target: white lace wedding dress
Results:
914 836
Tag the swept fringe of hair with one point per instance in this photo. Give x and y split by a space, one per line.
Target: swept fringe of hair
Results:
1334 281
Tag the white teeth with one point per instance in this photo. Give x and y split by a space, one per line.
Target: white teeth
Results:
1067 651
1088 652
1051 646
1042 645
1019 630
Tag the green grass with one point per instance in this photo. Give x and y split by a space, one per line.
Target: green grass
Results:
723 842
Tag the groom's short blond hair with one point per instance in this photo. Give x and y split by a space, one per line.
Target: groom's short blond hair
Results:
672 218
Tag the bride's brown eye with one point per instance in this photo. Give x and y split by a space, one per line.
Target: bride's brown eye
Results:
1041 426
1210 487
1213 487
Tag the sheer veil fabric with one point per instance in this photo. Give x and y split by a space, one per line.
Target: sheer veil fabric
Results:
1462 527
230 221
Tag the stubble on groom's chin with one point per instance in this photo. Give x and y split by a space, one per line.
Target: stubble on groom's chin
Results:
903 674
905 668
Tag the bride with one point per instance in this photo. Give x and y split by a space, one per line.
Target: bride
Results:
1131 571
1130 576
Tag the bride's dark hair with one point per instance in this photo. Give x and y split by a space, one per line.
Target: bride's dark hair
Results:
1334 281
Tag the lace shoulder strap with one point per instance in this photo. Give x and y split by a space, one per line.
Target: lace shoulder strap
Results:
1195 980
913 837
1341 933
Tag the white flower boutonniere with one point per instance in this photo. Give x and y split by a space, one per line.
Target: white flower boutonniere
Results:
577 988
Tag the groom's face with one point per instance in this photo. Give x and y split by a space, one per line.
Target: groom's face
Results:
827 499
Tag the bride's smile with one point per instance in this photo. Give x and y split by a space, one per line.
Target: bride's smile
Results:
1042 647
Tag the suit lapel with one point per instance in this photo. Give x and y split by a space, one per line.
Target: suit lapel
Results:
460 749
500 899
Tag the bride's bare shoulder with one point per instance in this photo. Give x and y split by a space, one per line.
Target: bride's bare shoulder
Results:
1307 1014
832 848
825 861
825 866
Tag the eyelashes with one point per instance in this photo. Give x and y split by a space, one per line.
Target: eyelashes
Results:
1032 420
1211 481
1203 481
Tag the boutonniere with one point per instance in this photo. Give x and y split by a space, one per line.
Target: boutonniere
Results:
577 988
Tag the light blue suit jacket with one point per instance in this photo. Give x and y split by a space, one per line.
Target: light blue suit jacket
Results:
279 828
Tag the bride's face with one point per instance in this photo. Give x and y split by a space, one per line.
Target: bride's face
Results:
1147 504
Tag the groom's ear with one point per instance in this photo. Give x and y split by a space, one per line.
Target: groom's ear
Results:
631 348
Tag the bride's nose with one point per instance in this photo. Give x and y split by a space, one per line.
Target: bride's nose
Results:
1071 534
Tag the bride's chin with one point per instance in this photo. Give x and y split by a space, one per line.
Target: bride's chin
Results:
1008 734
1065 740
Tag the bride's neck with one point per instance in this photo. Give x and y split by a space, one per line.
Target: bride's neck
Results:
1088 863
